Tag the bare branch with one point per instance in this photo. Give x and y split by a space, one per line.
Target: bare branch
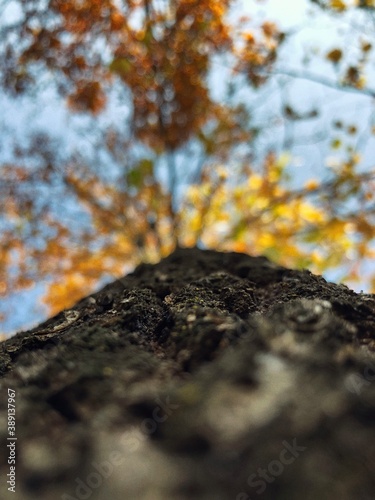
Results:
313 77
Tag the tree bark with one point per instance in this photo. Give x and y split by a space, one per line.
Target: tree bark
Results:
209 376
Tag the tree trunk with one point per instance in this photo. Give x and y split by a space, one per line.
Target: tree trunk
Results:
209 376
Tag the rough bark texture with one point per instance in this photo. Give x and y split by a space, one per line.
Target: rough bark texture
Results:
208 376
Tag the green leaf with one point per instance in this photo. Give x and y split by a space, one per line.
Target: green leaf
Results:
143 169
146 166
134 178
120 66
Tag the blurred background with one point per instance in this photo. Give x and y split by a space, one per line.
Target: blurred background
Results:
127 127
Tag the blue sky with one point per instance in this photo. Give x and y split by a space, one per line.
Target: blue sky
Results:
287 12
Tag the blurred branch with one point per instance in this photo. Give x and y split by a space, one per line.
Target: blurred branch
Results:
328 187
313 77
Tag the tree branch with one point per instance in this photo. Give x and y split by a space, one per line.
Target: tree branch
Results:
313 77
300 193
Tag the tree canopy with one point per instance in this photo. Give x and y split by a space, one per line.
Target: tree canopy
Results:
182 167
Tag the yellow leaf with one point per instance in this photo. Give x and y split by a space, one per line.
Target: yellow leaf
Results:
311 184
256 181
338 5
266 240
195 222
310 213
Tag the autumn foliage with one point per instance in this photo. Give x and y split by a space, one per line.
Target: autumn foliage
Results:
69 223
